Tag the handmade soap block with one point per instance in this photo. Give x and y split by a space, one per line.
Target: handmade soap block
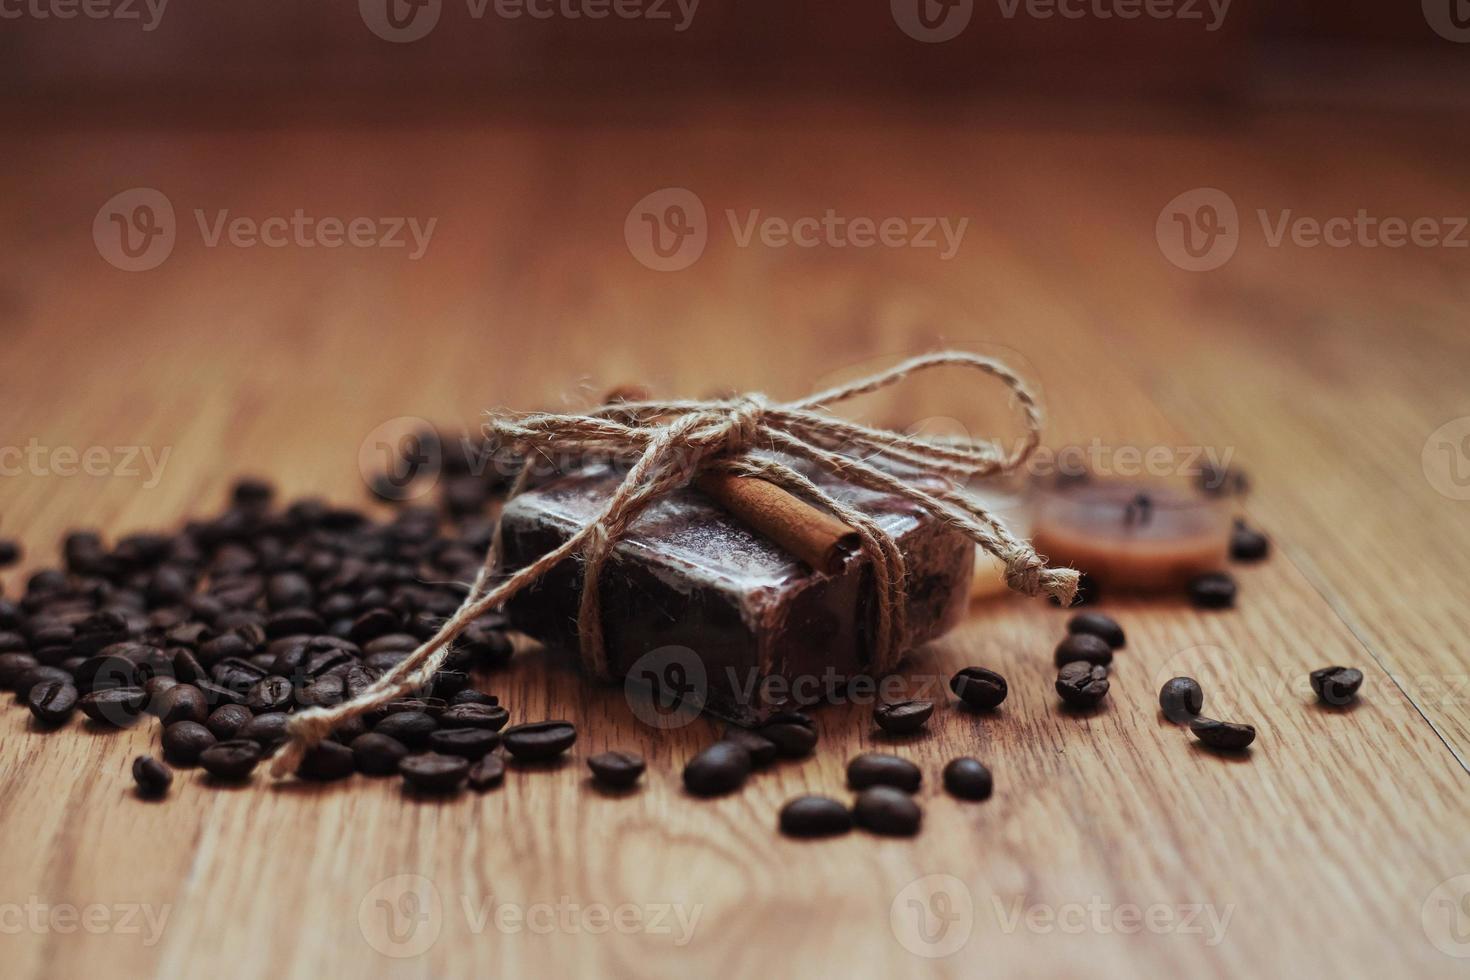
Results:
687 574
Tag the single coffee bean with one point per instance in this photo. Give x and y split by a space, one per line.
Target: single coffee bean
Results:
473 715
116 706
183 741
488 773
616 770
469 743
762 750
1336 685
1248 544
718 769
471 696
539 740
793 734
412 728
903 717
968 779
1081 684
267 730
187 668
13 666
155 687
1181 699
885 810
35 675
227 721
153 777
326 761
1223 735
377 755
1084 648
1218 481
1214 590
814 816
879 769
13 641
430 772
1096 624
182 702
979 688
233 760
270 694
10 552
52 702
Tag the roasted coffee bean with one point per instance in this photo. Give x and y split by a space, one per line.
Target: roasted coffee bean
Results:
323 692
491 716
903 717
488 773
471 696
1217 480
13 666
52 702
1336 685
10 552
236 673
325 762
187 668
448 683
288 590
220 648
35 675
116 706
13 642
156 687
233 760
719 769
153 777
471 743
1085 648
968 779
979 688
270 694
373 624
217 694
430 772
1081 684
182 702
183 741
879 769
252 492
617 770
433 707
267 730
885 810
1223 735
227 721
1214 590
814 816
762 750
1181 699
539 740
1248 544
1096 624
377 755
290 621
792 732
412 728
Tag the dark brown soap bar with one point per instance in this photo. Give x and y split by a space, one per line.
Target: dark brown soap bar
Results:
688 575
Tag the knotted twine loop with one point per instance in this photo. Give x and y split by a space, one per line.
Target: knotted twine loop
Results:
668 443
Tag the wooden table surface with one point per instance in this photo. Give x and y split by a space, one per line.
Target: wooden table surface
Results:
1113 845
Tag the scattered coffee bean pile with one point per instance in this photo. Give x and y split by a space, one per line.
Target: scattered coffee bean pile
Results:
1084 658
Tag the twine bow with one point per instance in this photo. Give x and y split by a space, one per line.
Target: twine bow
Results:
668 442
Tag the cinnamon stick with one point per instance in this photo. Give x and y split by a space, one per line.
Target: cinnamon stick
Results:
813 535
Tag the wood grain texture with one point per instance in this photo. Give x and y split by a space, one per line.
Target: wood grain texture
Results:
1324 371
